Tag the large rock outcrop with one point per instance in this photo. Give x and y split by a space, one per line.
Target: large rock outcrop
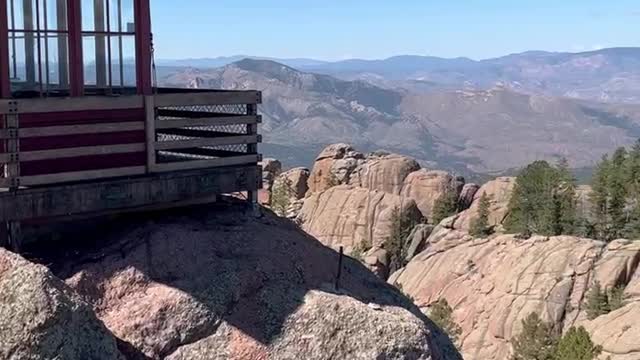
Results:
384 172
41 318
499 193
217 284
425 187
617 332
350 216
296 180
326 172
494 283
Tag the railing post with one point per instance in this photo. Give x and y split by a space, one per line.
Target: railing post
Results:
12 168
252 129
150 129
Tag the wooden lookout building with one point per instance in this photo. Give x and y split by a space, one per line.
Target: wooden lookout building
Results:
85 130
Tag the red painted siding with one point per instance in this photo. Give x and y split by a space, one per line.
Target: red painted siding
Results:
81 163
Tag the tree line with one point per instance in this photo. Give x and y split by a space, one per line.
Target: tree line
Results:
544 199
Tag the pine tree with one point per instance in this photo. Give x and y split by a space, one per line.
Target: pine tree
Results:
442 314
480 225
565 200
617 189
600 198
616 298
396 243
446 205
543 201
281 195
632 227
576 344
597 302
633 170
536 341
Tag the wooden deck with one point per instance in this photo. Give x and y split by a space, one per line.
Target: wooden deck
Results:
71 156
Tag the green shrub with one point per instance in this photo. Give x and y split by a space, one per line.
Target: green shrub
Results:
576 344
480 224
442 315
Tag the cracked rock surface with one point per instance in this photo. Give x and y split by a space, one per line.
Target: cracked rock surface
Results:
495 283
41 318
222 285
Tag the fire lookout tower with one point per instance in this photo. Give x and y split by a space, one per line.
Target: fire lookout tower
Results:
84 130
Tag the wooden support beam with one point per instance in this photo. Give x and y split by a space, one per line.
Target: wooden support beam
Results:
76 62
29 42
125 193
81 176
4 235
81 129
209 163
63 44
142 14
14 232
12 168
100 43
87 103
150 131
75 152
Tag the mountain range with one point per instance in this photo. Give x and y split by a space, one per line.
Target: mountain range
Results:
609 75
536 106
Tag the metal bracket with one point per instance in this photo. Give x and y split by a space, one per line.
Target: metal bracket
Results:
259 138
12 133
14 183
14 158
13 107
259 97
259 119
259 157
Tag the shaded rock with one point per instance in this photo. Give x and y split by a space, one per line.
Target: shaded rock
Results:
377 260
322 174
467 195
417 240
296 180
220 285
618 263
41 318
499 192
293 211
271 168
385 172
342 169
426 186
349 216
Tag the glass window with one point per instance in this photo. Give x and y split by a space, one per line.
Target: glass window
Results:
38 48
108 43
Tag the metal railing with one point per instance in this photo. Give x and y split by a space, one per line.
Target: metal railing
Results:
184 131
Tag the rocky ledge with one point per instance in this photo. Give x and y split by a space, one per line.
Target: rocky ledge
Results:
208 283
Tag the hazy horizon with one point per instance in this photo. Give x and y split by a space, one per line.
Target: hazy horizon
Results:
336 30
387 57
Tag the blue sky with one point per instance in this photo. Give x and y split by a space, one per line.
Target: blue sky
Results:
339 29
